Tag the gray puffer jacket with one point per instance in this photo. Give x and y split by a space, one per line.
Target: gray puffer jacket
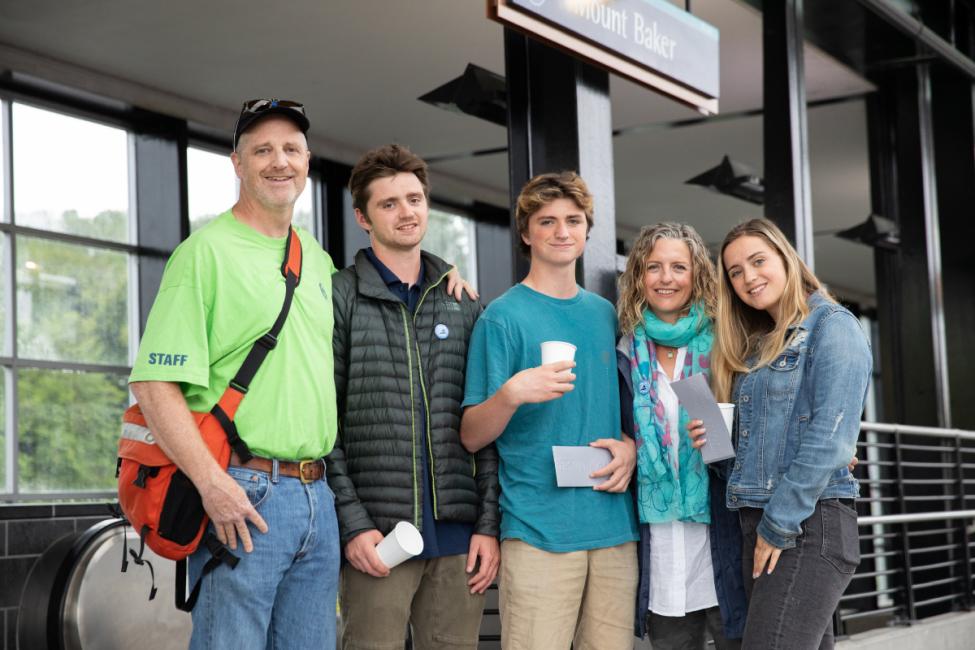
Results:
388 362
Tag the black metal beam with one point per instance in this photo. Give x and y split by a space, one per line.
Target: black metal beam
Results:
932 244
162 212
900 168
336 203
787 191
559 119
953 119
925 37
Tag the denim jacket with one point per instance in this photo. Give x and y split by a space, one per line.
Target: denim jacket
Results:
798 419
724 532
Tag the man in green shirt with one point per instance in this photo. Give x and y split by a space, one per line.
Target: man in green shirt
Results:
222 290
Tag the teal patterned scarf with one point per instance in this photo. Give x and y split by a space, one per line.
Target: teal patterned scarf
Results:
666 493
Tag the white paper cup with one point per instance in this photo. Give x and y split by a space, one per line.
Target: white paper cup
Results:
728 413
402 543
553 351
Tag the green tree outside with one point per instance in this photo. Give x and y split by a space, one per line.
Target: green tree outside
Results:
72 305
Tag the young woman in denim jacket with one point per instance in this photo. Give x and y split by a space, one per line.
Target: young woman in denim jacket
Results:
690 544
797 365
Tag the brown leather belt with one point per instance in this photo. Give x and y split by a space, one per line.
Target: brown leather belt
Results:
306 470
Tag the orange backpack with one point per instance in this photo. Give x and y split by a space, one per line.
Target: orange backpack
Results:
156 497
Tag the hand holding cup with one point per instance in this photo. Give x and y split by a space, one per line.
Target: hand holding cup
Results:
401 544
541 384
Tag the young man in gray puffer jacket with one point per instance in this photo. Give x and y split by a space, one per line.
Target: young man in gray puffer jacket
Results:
400 347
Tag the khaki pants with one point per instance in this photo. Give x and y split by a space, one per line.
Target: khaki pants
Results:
551 600
431 596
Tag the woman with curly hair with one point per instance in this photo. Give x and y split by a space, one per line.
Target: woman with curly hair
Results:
690 544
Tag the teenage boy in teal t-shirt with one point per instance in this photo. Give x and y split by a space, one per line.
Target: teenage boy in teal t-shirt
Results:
569 568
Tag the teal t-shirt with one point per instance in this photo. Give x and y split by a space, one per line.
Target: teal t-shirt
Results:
222 290
506 340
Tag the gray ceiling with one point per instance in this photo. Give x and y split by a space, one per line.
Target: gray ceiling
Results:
359 66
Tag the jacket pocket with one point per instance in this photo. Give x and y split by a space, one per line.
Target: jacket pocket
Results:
783 373
841 541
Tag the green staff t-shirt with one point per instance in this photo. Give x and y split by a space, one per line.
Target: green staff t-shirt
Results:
222 290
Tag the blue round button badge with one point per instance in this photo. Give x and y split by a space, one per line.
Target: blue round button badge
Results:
441 331
644 387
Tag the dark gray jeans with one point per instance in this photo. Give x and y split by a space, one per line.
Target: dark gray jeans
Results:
689 632
792 609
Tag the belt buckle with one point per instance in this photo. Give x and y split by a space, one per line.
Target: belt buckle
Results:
301 470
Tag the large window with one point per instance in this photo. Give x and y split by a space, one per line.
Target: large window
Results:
70 175
66 301
211 185
452 238
75 255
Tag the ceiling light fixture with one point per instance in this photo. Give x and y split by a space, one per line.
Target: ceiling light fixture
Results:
734 179
477 92
876 231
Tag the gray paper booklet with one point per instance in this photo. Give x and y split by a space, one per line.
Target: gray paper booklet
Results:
573 465
696 397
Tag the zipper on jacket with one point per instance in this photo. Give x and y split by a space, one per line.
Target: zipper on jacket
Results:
409 365
426 406
423 390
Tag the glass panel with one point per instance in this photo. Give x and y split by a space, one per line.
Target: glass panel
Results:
4 107
69 425
3 430
4 260
211 185
451 237
355 237
70 175
72 302
304 214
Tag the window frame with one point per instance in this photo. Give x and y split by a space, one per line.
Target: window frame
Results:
10 364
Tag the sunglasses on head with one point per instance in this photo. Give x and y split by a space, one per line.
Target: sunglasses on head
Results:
254 107
259 105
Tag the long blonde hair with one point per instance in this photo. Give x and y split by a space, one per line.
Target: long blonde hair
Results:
743 332
632 299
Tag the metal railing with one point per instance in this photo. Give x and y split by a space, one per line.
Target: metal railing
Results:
916 526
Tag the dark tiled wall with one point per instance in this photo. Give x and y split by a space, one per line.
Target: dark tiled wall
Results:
25 532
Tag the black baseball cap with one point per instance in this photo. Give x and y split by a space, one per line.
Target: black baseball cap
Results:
254 110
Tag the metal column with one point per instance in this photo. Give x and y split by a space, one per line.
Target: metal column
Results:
953 119
162 213
902 173
559 119
787 190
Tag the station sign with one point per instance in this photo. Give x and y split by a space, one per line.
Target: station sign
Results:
651 42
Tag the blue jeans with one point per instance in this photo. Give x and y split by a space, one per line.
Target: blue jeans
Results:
281 595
